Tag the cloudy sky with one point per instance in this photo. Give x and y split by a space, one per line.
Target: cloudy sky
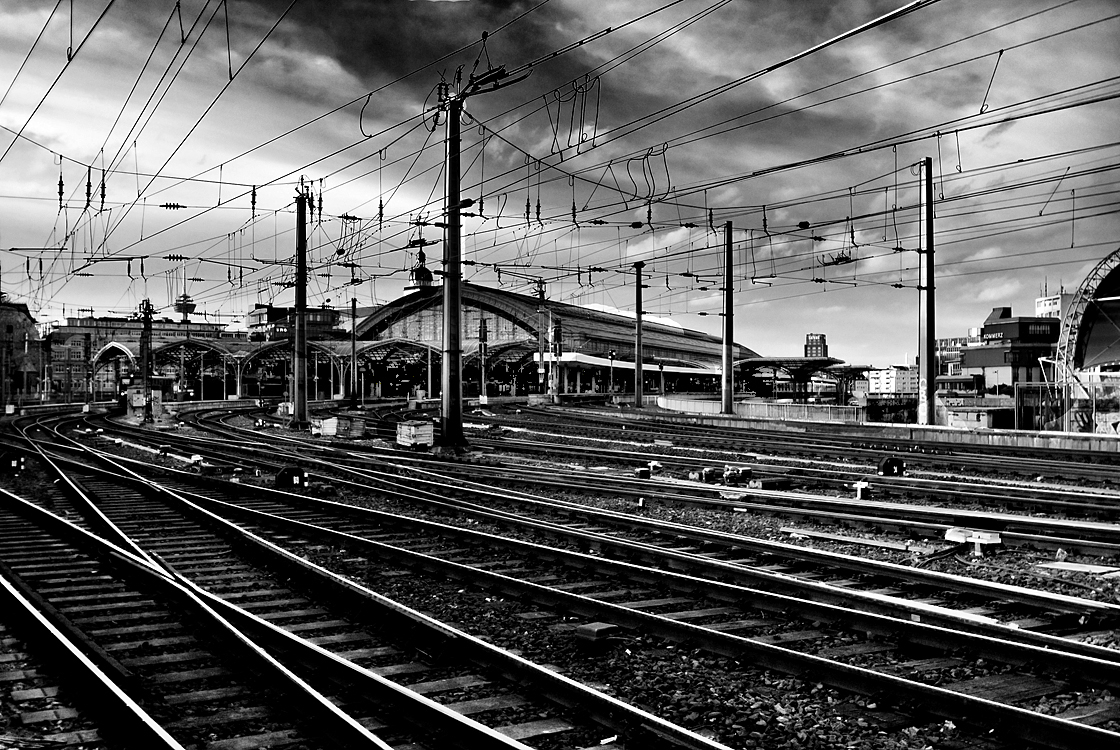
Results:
625 131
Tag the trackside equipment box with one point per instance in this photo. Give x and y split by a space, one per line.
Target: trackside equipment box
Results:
415 434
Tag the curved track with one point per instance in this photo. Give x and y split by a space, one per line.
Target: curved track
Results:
315 632
728 616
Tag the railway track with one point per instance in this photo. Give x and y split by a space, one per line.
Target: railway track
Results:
414 663
177 672
773 565
271 451
339 540
475 481
52 695
1015 529
725 618
612 600
975 502
1032 462
974 492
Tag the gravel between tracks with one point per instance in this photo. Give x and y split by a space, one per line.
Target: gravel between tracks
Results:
739 705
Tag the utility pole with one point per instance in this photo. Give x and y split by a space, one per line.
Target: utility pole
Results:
482 339
451 400
927 366
557 350
540 335
146 359
299 342
728 405
638 333
353 351
87 346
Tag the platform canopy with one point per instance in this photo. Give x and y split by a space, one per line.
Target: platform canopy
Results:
797 367
576 359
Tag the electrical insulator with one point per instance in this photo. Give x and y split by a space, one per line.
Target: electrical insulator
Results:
174 257
172 206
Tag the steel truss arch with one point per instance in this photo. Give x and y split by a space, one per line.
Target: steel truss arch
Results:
1082 315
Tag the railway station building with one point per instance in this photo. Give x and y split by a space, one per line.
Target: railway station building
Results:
513 345
22 359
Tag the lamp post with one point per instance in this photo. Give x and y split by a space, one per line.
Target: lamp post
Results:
661 369
610 386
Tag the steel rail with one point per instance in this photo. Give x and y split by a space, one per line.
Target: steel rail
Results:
1041 599
441 484
991 493
829 602
1020 529
1082 500
1020 723
1087 532
926 451
1086 535
461 731
474 572
329 720
125 721
457 730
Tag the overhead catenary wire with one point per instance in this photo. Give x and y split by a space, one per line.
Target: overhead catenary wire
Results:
550 215
71 55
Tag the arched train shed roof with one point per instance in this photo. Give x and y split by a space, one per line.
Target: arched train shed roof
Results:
1091 328
597 331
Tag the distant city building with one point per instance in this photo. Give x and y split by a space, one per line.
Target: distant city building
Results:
268 323
1011 350
895 380
949 352
20 351
1054 306
816 345
72 346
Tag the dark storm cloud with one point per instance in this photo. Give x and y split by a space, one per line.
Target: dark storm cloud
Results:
380 41
325 54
